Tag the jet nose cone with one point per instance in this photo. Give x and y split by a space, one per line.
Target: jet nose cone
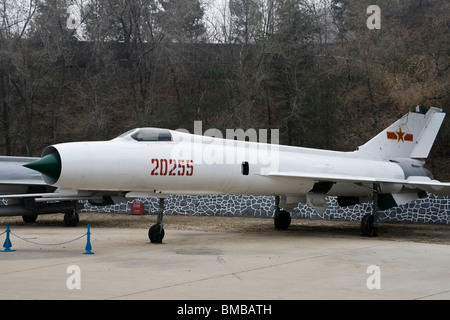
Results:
49 165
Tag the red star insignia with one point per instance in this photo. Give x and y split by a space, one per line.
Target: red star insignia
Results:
400 135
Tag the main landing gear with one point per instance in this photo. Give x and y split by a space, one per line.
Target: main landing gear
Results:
71 218
282 218
156 231
369 223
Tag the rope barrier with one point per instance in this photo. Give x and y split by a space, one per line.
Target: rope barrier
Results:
7 244
47 244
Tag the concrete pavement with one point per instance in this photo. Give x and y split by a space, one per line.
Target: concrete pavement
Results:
219 265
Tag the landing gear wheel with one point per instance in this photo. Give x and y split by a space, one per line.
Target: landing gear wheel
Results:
368 228
30 219
156 233
71 218
282 220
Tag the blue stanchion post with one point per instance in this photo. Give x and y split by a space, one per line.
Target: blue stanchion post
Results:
7 245
88 243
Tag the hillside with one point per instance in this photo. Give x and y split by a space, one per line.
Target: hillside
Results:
313 70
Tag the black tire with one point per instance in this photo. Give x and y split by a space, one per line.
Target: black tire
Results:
367 226
30 219
282 220
156 233
71 218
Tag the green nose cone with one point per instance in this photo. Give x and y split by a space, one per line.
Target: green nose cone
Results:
49 165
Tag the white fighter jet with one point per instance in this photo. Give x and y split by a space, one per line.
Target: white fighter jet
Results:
151 162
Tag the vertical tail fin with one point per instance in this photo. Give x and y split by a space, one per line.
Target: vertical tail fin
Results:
412 136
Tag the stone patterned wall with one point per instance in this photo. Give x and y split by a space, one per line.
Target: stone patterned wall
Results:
432 209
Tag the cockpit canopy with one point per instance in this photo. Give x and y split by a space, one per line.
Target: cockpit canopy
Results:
149 134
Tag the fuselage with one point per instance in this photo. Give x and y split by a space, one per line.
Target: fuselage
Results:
181 163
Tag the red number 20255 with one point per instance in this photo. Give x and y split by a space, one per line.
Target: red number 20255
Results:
172 167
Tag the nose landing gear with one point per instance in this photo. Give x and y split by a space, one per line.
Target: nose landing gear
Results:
156 231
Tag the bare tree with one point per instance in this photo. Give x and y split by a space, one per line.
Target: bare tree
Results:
16 78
